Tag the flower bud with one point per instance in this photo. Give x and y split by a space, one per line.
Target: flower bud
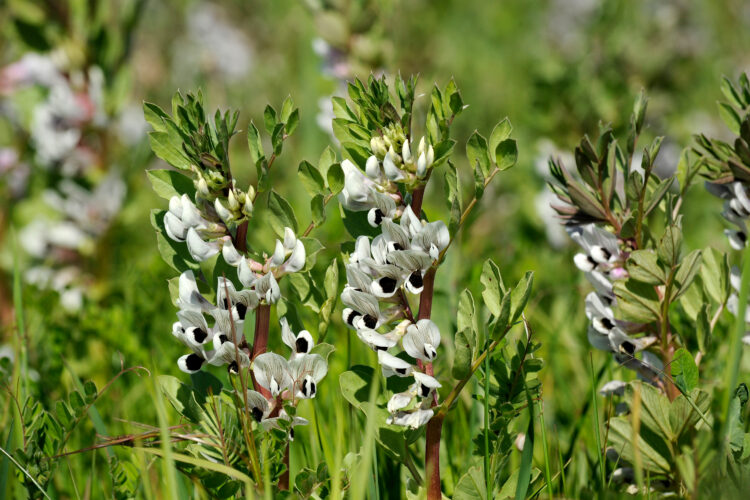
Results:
202 186
421 147
247 209
222 211
406 152
377 145
232 201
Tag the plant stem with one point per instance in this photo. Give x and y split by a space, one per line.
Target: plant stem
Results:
432 457
260 340
284 479
425 299
240 239
417 196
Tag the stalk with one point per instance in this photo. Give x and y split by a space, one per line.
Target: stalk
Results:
260 340
240 239
432 457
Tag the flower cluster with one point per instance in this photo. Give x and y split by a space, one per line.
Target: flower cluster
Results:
382 270
285 381
603 262
392 162
65 126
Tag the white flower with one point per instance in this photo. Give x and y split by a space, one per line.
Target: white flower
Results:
391 365
425 384
358 189
258 405
375 340
199 249
271 371
599 313
307 371
413 419
300 344
229 252
296 260
268 289
422 340
615 387
274 423
601 247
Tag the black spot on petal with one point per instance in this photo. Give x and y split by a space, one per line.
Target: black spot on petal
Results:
234 368
397 246
628 347
351 317
424 390
199 335
607 323
194 362
381 348
401 371
387 284
415 279
241 310
370 322
257 414
378 216
223 338
301 344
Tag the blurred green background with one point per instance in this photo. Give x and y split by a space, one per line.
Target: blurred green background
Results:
556 68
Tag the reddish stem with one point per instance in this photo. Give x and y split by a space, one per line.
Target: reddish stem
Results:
425 299
240 239
260 340
284 479
416 200
432 458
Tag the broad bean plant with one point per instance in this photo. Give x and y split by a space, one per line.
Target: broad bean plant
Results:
656 306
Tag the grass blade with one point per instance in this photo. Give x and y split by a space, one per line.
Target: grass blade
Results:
13 460
527 456
597 434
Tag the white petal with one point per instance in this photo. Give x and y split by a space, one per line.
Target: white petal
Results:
296 261
174 227
290 240
372 167
201 250
399 400
286 333
272 372
246 276
391 365
230 253
615 387
278 255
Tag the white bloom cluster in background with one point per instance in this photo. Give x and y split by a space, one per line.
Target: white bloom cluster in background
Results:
85 202
736 212
602 262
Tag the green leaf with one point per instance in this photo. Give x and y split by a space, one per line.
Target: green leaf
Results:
653 451
478 182
715 274
169 183
684 370
269 119
636 301
500 133
494 289
659 192
466 317
286 109
643 265
471 485
327 158
318 210
291 125
154 116
477 153
335 177
311 178
670 246
465 344
180 397
254 143
506 154
282 214
520 295
683 415
165 147
312 247
730 117
689 267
